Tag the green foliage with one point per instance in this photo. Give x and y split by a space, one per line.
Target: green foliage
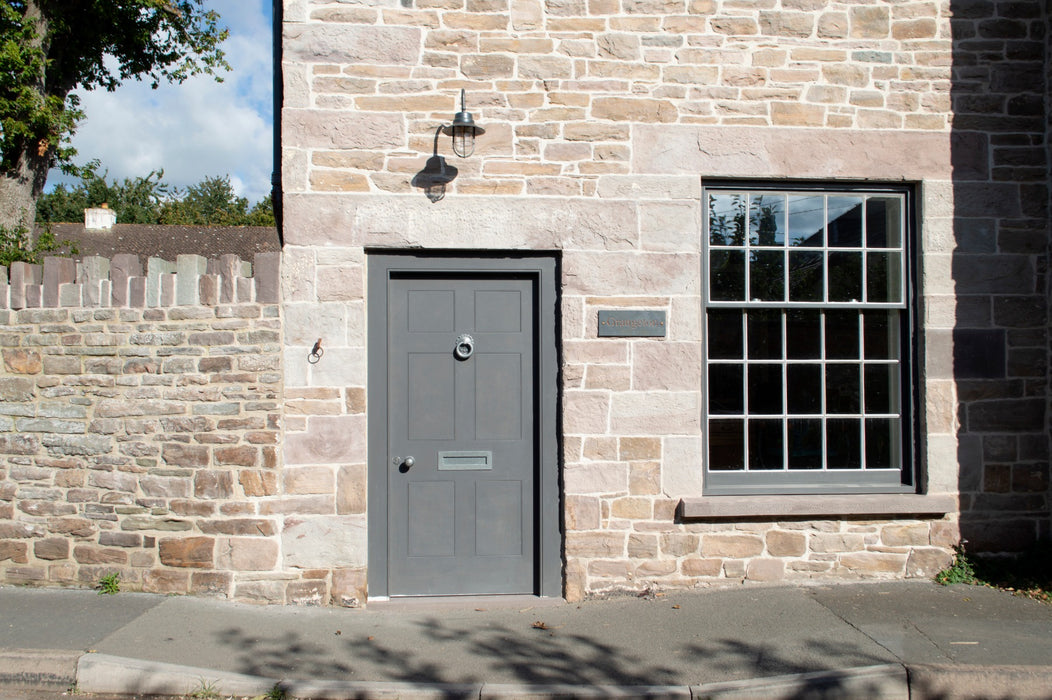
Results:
211 201
135 200
275 693
961 571
109 584
150 200
47 49
16 245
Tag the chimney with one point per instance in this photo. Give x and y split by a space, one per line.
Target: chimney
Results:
99 218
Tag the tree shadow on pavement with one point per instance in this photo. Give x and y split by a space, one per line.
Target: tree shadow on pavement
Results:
448 655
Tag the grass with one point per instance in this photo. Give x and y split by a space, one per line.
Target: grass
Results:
1028 575
109 584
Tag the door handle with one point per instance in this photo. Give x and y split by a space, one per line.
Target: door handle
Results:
404 465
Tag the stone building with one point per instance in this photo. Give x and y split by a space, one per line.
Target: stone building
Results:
728 290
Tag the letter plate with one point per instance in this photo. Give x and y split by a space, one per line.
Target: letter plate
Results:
474 460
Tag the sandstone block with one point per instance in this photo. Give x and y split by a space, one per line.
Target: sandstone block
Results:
239 455
786 544
596 478
641 546
616 569
164 581
324 542
702 567
874 563
51 549
925 562
213 484
648 569
595 544
351 489
307 593
187 552
644 479
309 480
905 535
88 554
582 512
631 508
732 546
20 361
623 109
765 570
349 587
14 551
211 583
246 553
677 544
830 542
328 440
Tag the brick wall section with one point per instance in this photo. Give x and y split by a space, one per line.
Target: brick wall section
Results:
1000 269
145 442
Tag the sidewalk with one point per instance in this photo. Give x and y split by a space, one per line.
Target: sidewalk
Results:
893 639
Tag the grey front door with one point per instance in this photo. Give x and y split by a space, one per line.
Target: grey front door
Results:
461 433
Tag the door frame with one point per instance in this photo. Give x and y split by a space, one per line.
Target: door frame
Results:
543 267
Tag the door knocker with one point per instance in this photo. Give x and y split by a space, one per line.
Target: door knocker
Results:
465 347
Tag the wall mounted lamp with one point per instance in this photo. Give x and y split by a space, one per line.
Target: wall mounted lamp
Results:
463 130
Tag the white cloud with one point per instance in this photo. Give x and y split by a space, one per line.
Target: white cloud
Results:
198 129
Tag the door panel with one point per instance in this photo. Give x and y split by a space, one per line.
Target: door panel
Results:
461 518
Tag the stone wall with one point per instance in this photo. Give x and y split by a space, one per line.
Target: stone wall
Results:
603 119
998 322
144 440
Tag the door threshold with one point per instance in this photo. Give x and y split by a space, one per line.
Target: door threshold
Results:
462 602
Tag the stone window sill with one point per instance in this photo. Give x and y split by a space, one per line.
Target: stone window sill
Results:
811 506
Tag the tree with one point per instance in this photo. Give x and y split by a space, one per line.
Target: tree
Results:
211 201
135 201
48 48
150 200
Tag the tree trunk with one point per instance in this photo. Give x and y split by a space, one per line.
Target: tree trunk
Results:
25 170
21 186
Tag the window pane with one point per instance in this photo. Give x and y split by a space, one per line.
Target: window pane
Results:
805 444
804 389
725 334
727 275
842 389
803 330
767 219
845 276
727 444
765 389
726 391
883 444
727 219
882 388
767 276
884 222
845 222
884 277
765 444
805 276
842 335
843 443
881 335
765 334
806 220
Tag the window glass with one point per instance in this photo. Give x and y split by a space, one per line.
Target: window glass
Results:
806 340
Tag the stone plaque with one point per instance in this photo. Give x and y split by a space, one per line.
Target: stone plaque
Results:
632 323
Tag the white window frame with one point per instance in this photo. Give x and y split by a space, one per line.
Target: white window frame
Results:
890 478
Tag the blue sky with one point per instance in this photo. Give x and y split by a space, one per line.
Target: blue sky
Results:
198 129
